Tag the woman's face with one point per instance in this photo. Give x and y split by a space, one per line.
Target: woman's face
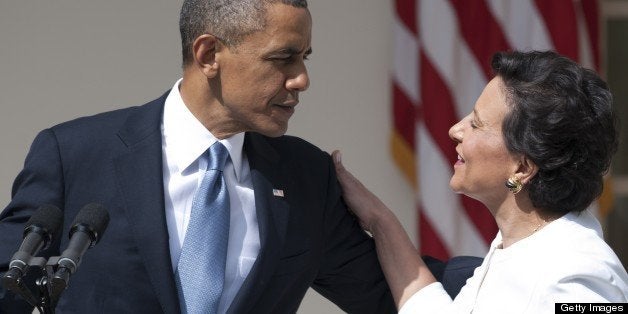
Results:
484 163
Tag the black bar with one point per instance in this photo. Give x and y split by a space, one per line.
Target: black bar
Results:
586 308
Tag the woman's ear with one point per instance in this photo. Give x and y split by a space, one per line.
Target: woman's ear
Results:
527 170
204 51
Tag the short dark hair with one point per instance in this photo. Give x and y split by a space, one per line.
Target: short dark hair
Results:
561 117
226 19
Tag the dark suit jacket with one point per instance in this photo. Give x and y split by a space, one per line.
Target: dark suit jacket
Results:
308 238
453 273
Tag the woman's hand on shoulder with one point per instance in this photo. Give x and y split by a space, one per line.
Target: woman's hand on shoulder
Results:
362 202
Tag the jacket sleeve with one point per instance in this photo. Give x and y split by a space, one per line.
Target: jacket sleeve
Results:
350 275
40 182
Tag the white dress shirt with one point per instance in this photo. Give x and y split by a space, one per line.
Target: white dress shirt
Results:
566 261
185 139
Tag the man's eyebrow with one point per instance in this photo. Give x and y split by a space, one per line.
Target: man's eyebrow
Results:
293 51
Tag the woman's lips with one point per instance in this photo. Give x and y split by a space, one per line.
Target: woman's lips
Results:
460 161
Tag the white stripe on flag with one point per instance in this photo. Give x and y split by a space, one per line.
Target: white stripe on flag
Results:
406 61
450 55
584 44
521 23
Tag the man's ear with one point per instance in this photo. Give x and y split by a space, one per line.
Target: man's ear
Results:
527 170
204 51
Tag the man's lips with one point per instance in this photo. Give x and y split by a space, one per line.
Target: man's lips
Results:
289 109
285 106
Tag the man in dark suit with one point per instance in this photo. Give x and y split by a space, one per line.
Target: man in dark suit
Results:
289 229
243 69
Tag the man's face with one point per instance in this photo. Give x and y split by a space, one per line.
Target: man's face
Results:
260 79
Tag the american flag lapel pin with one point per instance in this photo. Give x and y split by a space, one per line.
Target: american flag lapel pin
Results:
278 193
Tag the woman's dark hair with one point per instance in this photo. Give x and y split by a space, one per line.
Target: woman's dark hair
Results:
561 118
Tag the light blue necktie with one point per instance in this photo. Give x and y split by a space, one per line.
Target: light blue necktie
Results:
201 271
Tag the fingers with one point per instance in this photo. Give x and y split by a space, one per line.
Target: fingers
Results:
347 181
337 156
355 193
344 176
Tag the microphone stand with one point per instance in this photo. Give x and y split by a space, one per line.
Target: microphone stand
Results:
90 223
49 288
46 306
12 280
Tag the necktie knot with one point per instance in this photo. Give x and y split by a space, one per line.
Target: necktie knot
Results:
218 155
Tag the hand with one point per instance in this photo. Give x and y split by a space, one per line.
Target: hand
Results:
405 272
362 202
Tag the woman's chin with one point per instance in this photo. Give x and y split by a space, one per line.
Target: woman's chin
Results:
455 186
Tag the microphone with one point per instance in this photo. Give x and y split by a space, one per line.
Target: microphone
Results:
87 229
38 234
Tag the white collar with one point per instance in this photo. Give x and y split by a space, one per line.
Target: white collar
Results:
186 139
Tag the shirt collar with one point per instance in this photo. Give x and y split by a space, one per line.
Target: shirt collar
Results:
186 139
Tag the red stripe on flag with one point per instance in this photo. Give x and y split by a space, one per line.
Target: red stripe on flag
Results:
438 109
403 116
429 241
406 11
560 21
590 8
481 31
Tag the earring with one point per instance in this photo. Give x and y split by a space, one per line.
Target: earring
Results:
514 185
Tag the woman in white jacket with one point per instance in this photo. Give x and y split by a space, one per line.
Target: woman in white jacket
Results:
534 151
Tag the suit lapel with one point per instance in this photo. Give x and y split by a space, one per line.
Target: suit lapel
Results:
272 214
139 172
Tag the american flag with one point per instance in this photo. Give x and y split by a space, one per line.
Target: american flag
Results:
441 65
